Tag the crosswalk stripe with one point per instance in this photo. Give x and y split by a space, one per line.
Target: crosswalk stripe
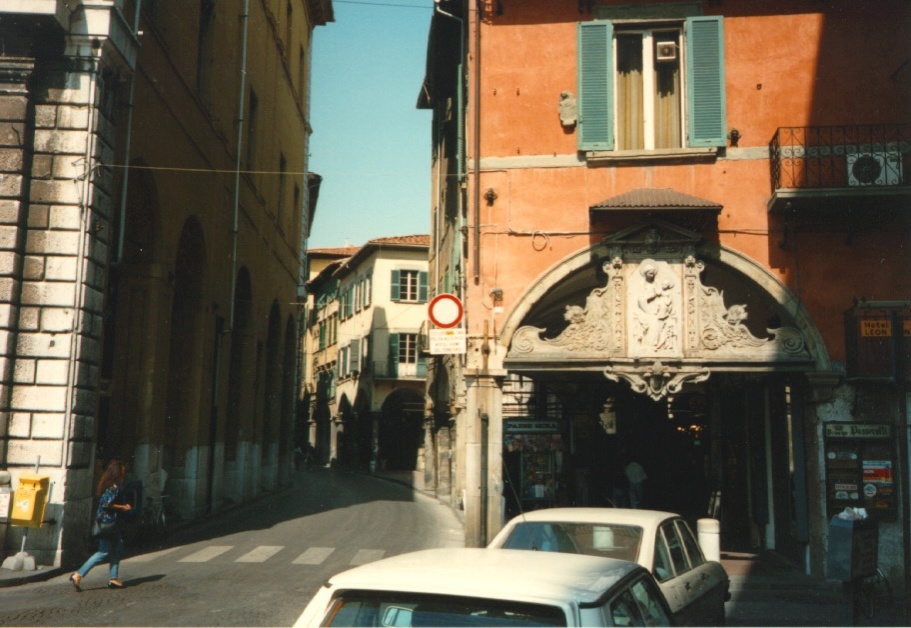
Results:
145 558
261 554
206 554
313 556
366 556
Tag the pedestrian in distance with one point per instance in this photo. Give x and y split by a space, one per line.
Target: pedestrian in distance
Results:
637 477
106 527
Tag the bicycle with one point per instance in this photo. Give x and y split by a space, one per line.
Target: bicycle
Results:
867 592
153 519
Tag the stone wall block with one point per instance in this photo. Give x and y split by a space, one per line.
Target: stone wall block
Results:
81 453
9 211
48 293
58 141
33 269
43 166
29 319
8 314
25 371
26 453
12 134
8 287
82 426
8 238
86 401
48 425
13 107
38 216
94 300
39 398
39 345
9 263
65 217
10 185
55 192
60 268
52 372
67 167
45 116
56 320
53 242
72 117
10 160
20 424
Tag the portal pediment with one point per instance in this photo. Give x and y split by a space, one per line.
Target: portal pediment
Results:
653 322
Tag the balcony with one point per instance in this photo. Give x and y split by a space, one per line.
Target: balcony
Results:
828 167
384 369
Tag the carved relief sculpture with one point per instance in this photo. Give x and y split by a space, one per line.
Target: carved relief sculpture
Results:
657 327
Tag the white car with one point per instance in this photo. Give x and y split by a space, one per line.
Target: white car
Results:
662 542
480 587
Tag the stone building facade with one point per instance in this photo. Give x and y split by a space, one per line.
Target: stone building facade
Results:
155 206
680 233
368 337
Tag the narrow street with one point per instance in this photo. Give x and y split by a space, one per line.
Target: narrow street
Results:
255 567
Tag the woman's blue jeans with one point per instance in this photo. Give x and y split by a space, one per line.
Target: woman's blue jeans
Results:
108 550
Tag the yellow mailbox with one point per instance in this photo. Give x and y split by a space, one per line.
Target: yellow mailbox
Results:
30 500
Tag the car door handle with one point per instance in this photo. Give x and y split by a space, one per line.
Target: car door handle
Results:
686 585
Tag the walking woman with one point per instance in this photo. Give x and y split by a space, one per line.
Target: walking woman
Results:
110 544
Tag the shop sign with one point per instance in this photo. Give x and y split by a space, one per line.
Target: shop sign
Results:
857 430
529 426
875 327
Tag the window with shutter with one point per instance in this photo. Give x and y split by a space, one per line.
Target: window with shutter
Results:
651 86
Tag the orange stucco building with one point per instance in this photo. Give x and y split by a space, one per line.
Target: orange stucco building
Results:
680 231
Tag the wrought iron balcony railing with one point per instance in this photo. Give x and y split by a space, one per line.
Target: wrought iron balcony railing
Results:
872 157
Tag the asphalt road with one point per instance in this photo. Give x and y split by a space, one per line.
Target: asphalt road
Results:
255 567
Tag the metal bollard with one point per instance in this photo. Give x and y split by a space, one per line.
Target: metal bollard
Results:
709 533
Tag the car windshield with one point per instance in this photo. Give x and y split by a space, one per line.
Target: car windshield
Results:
596 539
383 608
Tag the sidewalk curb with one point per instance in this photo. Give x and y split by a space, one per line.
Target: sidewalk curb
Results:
15 578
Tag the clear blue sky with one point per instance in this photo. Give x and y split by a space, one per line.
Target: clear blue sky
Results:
370 143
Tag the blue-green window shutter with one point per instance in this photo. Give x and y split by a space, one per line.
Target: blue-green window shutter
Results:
393 355
596 85
396 292
422 287
705 77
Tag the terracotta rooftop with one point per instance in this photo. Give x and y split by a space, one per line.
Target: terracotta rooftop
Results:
655 198
342 251
415 240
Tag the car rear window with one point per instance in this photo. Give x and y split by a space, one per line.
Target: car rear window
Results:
385 608
595 539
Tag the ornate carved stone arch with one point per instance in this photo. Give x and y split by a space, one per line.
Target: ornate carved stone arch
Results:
641 312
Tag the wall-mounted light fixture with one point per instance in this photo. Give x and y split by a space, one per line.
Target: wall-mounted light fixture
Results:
734 136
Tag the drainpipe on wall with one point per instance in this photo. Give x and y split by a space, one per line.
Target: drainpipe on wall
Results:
124 184
476 249
240 129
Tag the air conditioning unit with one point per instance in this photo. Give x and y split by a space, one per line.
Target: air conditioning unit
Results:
873 169
666 51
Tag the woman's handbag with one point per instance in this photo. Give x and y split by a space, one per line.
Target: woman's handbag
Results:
104 529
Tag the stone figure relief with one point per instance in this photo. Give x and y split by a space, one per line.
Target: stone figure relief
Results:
655 291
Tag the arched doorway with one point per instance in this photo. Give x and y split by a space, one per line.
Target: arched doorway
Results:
680 354
401 430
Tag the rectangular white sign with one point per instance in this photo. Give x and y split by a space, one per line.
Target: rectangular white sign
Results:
446 341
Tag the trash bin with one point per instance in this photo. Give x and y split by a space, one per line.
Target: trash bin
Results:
853 549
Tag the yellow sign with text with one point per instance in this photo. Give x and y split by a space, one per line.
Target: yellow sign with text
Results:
875 328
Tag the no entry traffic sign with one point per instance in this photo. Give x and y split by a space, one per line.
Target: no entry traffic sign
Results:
445 310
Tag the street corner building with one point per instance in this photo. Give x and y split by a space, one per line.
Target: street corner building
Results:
156 203
680 232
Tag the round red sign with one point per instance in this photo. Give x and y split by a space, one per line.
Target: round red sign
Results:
445 310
